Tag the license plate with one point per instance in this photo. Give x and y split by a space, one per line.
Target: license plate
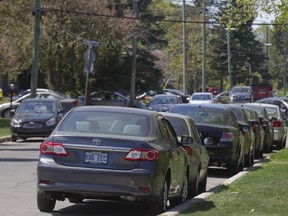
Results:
96 157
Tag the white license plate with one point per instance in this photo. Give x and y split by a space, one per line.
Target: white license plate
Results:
96 157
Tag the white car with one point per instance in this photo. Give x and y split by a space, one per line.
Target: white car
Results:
201 97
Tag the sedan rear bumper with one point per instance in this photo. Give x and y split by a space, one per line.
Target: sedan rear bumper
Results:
61 180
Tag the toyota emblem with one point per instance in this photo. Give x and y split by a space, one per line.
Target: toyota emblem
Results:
96 141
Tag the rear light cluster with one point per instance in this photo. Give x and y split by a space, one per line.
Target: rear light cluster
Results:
53 149
276 123
227 137
142 155
188 149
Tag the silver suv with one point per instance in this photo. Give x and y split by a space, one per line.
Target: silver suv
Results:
241 94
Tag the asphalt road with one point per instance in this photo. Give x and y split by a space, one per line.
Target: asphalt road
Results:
18 162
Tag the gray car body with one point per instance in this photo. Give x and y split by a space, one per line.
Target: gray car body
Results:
199 159
70 176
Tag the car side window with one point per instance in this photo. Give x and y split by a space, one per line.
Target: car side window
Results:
233 120
166 131
194 131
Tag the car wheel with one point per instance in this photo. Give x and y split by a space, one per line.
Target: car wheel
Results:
162 204
202 184
75 200
184 194
6 113
236 166
46 204
13 138
193 187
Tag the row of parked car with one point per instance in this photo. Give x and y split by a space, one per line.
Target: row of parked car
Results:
143 156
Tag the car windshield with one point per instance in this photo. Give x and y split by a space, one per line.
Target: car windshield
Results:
272 111
201 97
37 107
240 90
106 123
179 125
163 100
207 116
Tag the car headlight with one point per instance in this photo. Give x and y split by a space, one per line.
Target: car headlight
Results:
51 121
15 123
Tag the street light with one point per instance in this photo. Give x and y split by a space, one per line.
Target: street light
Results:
11 95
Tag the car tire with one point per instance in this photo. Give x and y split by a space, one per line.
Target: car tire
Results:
193 187
161 205
202 185
6 113
75 200
184 194
46 204
13 138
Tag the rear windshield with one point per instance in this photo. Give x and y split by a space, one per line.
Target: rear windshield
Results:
179 125
208 116
106 123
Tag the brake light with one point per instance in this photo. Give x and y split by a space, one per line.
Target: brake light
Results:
53 149
188 149
227 137
142 155
75 103
276 123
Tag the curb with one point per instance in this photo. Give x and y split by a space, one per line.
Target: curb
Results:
5 139
201 197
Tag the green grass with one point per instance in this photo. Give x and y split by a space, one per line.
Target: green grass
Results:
260 192
4 127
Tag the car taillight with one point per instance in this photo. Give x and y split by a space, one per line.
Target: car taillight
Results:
53 149
142 155
188 149
75 103
227 137
276 123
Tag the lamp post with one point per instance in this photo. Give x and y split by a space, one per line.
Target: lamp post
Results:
11 95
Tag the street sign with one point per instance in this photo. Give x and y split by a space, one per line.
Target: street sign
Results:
89 57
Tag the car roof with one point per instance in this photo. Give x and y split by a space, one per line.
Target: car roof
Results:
115 109
267 105
213 106
201 93
39 99
175 115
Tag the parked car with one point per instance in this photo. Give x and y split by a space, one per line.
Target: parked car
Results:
185 98
201 97
164 102
247 131
27 91
67 103
281 102
198 155
219 132
107 98
113 152
258 130
36 118
265 123
241 94
278 124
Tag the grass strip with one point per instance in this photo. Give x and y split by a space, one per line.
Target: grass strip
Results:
260 192
5 127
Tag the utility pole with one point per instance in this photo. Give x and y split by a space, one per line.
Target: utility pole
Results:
134 49
184 49
229 59
37 12
204 48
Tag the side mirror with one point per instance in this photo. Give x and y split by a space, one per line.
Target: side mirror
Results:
186 140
